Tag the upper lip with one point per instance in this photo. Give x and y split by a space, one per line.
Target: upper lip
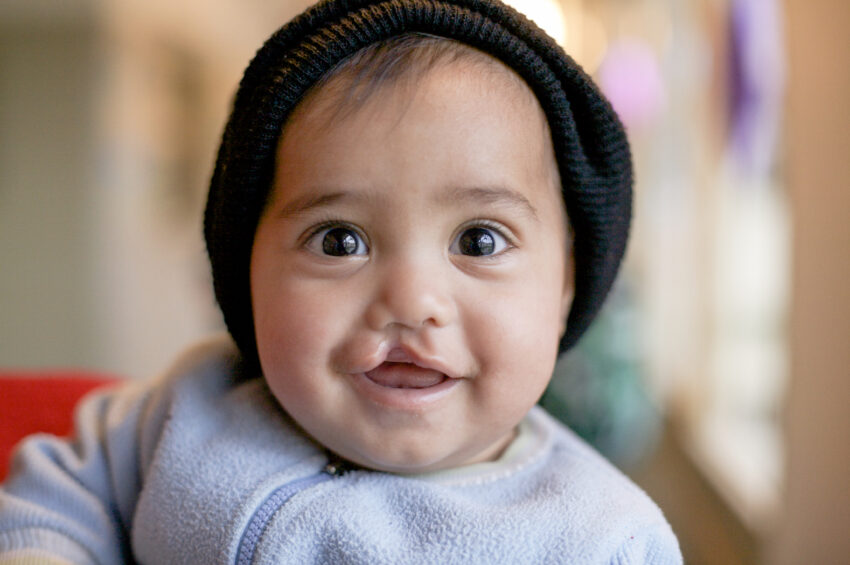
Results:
405 354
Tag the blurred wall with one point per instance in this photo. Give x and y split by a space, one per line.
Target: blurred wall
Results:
815 522
46 203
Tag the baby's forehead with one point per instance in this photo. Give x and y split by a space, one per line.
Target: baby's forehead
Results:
402 64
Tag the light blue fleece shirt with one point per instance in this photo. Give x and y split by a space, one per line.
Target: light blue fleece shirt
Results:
197 467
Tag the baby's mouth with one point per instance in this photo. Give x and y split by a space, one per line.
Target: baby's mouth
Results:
404 375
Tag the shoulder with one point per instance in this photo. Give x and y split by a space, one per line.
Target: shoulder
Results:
569 459
600 503
208 395
214 361
204 375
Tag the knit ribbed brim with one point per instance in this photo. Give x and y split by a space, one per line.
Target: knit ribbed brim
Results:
589 141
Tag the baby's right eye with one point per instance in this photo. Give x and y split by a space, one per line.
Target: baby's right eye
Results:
479 241
337 241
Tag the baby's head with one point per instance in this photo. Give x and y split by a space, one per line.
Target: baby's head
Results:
387 224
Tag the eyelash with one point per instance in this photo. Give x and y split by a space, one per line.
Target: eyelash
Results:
490 225
329 224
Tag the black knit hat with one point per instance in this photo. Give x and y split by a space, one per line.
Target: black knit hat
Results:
589 141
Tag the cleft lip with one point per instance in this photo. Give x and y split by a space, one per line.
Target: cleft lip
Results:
405 354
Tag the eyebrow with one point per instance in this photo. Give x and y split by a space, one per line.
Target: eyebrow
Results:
491 195
308 202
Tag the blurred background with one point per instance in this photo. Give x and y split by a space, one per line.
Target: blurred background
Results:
718 375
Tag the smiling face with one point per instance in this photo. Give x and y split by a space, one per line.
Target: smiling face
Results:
409 276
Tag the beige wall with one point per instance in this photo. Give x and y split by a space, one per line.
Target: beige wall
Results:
815 527
46 205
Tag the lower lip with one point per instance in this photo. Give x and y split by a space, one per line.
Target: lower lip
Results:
409 399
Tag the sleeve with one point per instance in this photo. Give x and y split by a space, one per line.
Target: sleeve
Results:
71 501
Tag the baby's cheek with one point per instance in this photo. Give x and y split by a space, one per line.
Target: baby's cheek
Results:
498 339
527 334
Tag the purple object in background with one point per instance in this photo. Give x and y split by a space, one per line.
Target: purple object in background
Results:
756 81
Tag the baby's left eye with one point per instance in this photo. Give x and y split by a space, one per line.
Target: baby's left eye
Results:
478 241
337 241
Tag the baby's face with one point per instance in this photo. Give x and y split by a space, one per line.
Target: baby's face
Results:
409 276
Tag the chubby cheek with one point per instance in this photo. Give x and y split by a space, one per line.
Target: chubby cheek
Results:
278 339
516 347
290 345
293 325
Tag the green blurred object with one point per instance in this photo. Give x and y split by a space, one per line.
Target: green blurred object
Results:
598 388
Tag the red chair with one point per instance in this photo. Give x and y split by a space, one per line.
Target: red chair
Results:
40 401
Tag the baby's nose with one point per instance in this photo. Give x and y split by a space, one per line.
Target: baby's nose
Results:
412 294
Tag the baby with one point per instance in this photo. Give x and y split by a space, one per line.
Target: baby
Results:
416 205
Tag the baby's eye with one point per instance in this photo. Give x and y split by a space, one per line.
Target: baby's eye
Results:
479 241
337 241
